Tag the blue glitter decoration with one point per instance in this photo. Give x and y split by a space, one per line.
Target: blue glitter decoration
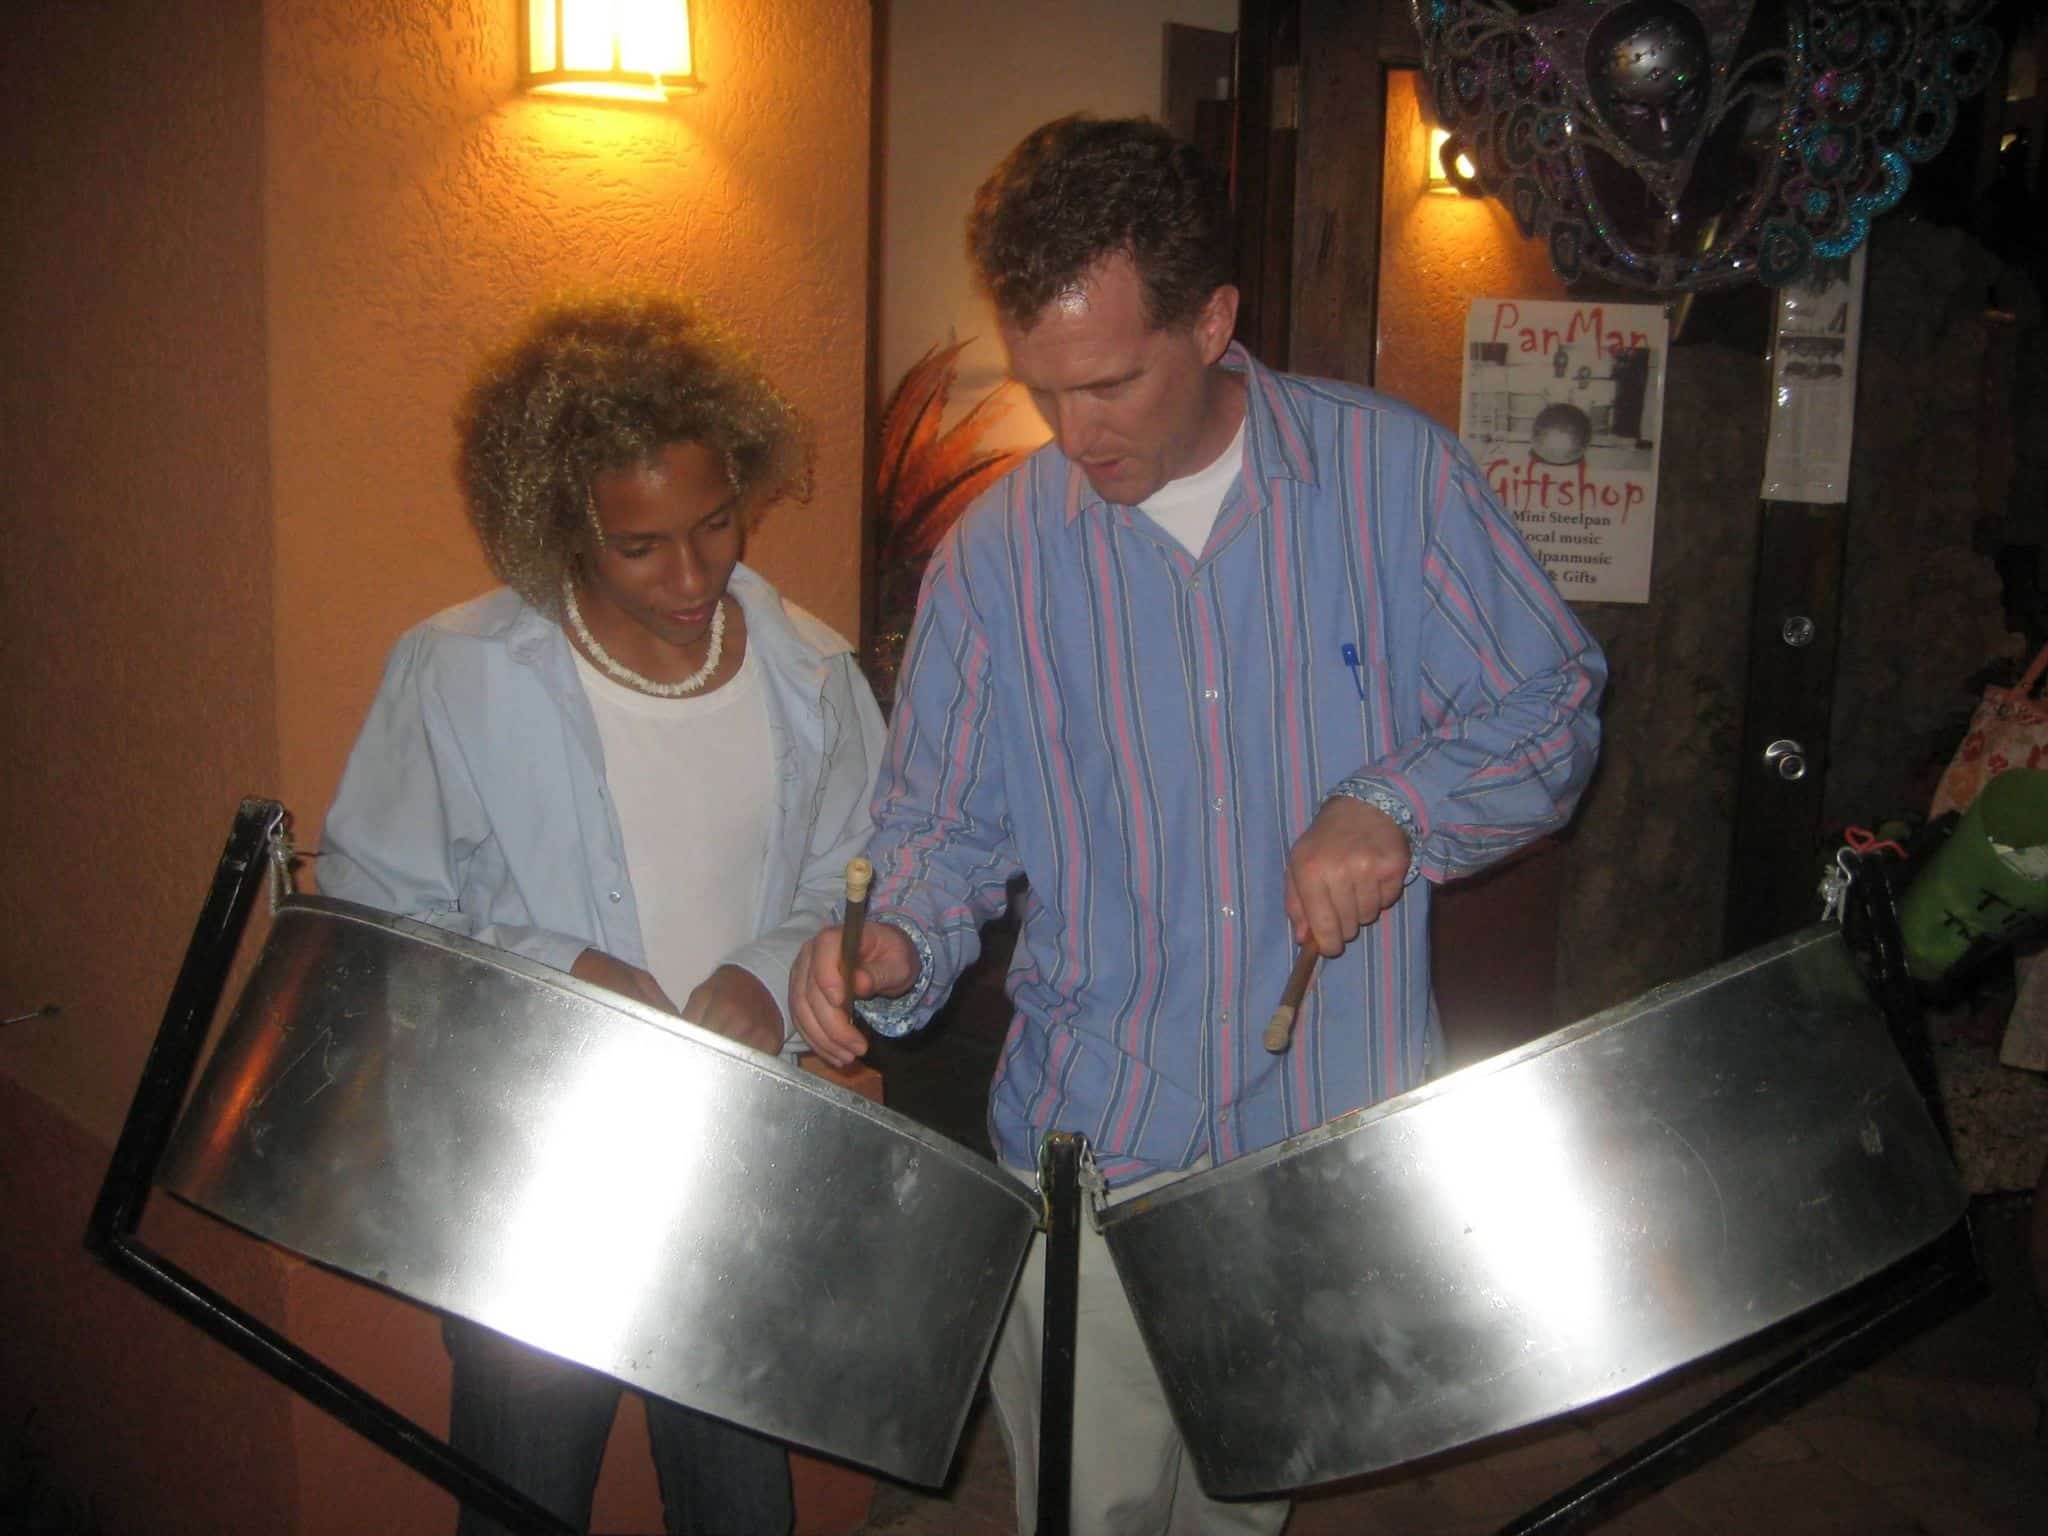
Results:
1828 153
1868 205
1817 207
1567 248
1932 119
1783 252
1669 145
1855 229
1519 140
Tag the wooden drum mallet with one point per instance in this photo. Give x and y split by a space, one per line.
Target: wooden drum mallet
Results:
1280 1028
859 875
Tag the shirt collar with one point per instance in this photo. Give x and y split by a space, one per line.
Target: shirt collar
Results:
1276 437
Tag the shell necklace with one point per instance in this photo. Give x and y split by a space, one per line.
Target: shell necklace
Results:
618 671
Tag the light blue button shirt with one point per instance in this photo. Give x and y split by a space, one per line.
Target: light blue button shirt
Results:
475 797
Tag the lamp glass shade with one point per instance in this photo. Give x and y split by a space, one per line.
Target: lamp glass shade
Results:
608 48
1455 173
1434 177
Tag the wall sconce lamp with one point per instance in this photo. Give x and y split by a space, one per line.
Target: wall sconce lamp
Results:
1451 167
616 50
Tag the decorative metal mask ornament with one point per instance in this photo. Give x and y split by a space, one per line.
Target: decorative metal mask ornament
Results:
1692 144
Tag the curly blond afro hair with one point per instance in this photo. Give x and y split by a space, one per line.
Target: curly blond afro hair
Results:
604 383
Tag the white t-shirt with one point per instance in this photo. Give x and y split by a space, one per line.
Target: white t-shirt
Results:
693 781
1187 507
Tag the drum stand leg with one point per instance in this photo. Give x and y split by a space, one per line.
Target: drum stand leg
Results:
110 1234
1914 1292
1059 1162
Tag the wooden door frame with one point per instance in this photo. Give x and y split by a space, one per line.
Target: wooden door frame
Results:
1309 205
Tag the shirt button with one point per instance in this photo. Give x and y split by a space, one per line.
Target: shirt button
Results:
1211 694
1194 583
1217 803
1228 911
1226 1016
616 895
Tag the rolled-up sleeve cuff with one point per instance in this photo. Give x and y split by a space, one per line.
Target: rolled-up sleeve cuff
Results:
1381 797
559 950
894 1017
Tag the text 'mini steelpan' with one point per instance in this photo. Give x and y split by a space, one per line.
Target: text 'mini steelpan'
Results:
605 1182
1539 1231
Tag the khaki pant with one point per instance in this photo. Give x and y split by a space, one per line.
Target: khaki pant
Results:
1132 1476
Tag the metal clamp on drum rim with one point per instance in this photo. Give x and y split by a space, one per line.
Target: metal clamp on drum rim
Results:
1092 1187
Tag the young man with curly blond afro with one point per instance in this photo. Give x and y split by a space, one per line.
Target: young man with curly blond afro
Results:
1238 662
634 762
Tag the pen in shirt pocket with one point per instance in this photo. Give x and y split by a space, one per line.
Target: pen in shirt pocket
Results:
1349 651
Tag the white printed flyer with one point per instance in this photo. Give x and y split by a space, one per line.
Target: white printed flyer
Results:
1562 410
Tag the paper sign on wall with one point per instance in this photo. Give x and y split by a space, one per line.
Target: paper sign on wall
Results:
1813 384
1563 408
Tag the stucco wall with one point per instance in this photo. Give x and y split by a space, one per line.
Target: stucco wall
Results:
136 653
1439 252
416 205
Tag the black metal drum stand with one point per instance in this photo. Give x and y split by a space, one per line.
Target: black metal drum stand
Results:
110 1234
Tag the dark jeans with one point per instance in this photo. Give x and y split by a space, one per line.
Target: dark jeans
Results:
540 1424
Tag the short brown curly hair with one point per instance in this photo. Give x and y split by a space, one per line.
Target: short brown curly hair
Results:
1082 189
600 383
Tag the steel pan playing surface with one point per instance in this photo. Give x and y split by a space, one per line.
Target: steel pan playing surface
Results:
1539 1231
605 1182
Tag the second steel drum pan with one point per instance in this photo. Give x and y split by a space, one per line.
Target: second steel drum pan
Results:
603 1181
1539 1231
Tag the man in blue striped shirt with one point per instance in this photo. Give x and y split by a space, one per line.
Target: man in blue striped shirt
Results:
1238 662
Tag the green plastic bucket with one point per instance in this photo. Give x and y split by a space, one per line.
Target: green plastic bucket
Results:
1980 884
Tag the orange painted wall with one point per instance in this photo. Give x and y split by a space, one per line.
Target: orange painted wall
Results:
416 205
135 653
122 1417
1438 252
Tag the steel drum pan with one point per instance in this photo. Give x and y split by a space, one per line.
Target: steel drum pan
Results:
1539 1231
605 1182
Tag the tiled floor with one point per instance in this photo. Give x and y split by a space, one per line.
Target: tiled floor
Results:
1940 1435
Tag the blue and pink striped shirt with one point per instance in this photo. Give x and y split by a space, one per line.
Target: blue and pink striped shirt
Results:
1144 735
